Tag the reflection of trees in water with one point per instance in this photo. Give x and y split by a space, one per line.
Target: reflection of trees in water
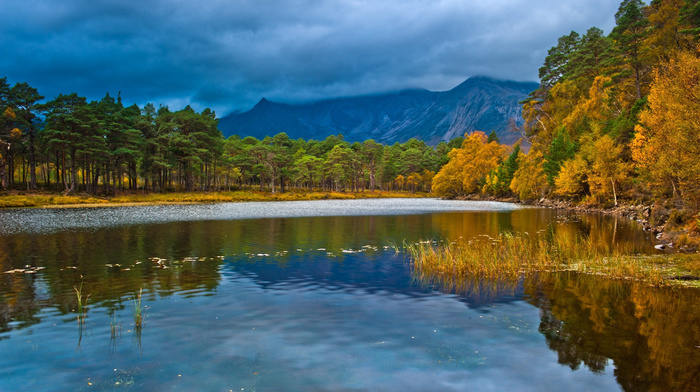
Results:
472 289
650 334
115 263
564 226
17 304
111 265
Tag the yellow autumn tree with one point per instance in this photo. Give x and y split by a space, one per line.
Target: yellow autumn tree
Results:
666 147
572 178
591 111
530 180
665 35
608 168
543 120
427 179
467 166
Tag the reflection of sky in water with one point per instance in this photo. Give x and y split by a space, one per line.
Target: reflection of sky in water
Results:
315 303
55 219
296 333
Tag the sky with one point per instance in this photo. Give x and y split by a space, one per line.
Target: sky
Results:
227 55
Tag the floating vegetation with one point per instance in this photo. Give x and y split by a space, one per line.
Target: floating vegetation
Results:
28 269
512 255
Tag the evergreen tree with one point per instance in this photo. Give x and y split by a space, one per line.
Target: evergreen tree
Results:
561 149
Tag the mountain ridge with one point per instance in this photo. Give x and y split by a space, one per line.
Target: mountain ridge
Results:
478 103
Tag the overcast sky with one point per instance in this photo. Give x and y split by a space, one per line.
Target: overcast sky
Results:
226 55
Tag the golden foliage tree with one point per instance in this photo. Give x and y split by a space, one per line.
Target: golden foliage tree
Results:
572 178
666 147
607 168
467 166
530 180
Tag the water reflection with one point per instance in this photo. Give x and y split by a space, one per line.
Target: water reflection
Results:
329 299
116 262
651 335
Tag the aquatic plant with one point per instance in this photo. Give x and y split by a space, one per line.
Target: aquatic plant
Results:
115 326
82 304
512 255
138 312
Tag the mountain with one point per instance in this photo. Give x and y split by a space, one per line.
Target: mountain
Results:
480 103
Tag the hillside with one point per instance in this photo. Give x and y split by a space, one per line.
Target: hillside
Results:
479 103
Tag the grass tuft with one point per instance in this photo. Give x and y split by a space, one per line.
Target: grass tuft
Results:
82 304
512 255
138 312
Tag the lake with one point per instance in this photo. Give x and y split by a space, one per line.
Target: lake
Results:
319 296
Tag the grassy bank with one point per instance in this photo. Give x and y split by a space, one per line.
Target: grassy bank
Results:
510 256
56 200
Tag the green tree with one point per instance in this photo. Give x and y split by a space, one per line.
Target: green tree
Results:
24 100
629 34
557 63
371 156
70 125
561 149
493 138
499 180
590 57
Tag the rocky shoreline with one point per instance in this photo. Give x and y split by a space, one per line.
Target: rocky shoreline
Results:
653 218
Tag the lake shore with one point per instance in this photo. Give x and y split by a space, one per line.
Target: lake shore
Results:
57 200
680 269
659 219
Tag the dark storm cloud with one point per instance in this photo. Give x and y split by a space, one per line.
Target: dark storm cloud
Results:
228 54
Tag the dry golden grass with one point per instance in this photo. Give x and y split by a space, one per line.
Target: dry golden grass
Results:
52 200
11 201
510 256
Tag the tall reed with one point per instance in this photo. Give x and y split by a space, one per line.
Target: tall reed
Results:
138 312
82 304
511 255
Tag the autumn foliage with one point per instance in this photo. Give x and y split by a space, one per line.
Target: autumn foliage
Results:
468 165
615 116
666 147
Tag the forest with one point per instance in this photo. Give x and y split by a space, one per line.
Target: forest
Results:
616 116
102 147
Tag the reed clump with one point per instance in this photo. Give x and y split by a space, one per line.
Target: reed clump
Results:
512 255
138 312
82 304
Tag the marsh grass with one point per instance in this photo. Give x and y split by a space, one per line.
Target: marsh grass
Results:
45 200
510 256
39 200
250 195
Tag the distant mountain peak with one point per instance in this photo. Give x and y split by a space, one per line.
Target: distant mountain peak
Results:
262 102
479 103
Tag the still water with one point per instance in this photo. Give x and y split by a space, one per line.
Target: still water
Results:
318 296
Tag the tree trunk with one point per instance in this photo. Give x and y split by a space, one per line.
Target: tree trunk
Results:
613 189
3 153
32 160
